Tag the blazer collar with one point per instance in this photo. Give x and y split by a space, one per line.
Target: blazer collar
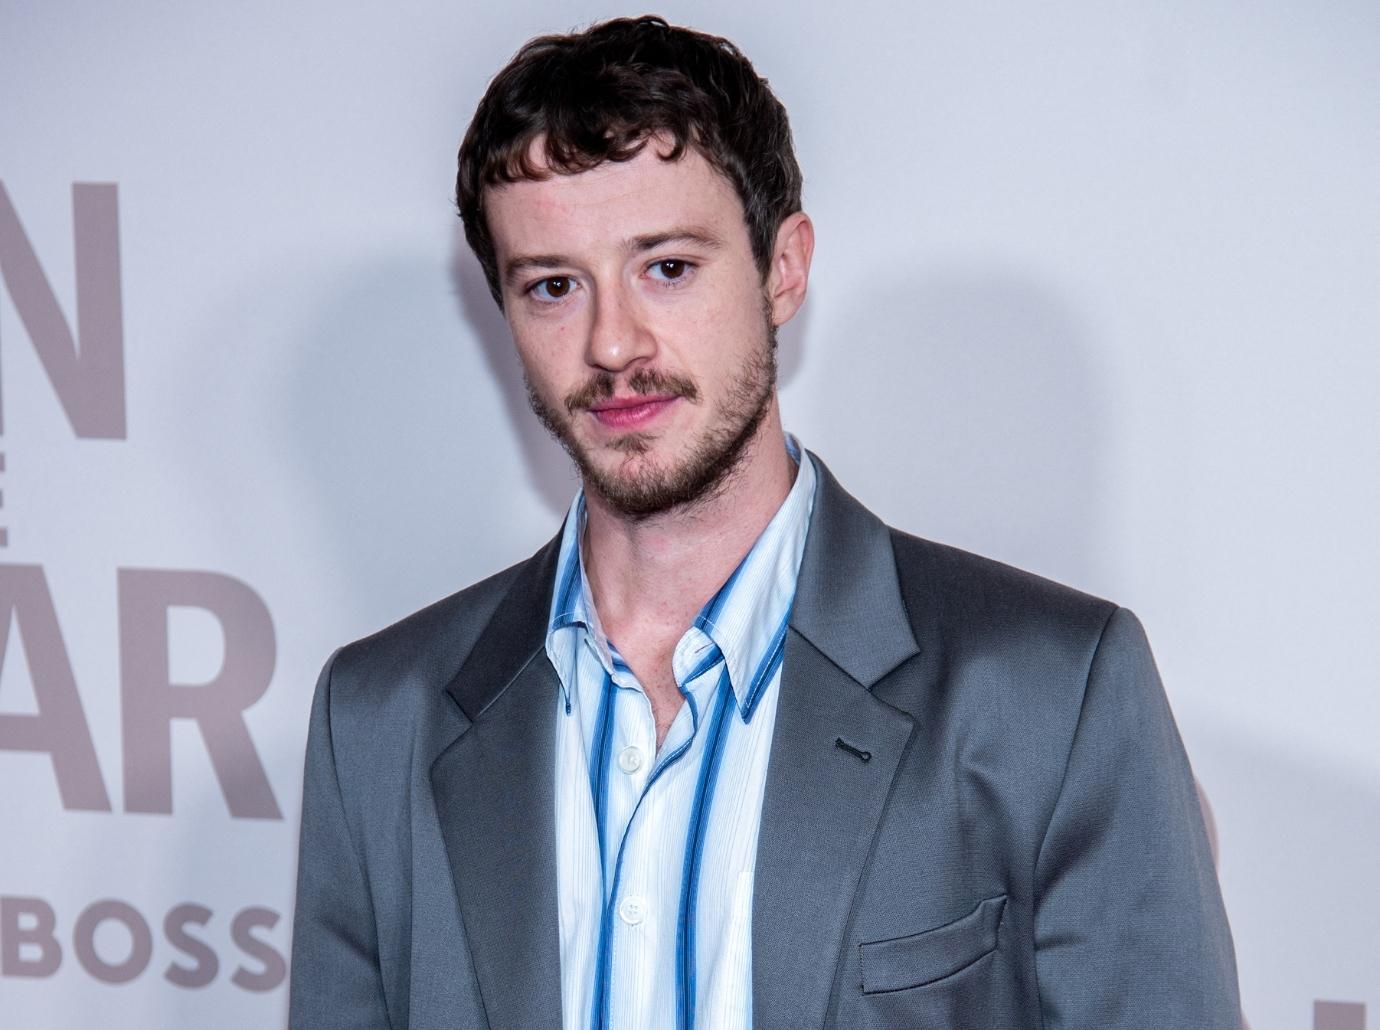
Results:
848 603
848 598
515 634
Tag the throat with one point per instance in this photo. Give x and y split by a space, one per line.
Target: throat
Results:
653 669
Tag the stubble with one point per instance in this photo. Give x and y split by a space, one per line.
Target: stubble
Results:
638 489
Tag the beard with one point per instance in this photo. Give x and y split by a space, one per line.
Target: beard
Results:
647 489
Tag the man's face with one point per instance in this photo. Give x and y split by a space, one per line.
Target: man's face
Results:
641 321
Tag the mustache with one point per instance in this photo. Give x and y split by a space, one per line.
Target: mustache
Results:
602 386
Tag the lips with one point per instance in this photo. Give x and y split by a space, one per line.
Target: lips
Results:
631 412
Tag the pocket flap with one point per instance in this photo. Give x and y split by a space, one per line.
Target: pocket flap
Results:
925 957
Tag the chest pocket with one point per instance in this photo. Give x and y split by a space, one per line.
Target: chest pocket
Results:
923 958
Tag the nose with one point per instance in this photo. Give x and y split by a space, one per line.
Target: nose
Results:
618 336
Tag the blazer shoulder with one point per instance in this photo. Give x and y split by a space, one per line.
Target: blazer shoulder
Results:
1010 648
960 592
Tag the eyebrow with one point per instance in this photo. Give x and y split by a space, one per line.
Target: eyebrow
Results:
685 234
515 266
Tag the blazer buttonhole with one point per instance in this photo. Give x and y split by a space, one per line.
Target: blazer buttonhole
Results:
843 745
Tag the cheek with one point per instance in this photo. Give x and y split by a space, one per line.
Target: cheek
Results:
545 350
537 373
743 307
704 331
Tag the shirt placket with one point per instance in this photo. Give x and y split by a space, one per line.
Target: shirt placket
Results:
648 810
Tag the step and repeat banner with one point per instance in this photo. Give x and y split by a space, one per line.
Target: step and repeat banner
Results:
1095 294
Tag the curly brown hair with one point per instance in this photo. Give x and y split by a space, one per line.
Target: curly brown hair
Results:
600 94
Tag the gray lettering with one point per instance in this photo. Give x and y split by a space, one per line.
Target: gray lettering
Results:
150 701
274 968
90 380
175 928
59 727
140 941
1338 1015
37 935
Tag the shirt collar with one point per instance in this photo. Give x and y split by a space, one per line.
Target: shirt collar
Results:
741 620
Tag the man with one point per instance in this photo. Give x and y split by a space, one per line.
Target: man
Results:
728 752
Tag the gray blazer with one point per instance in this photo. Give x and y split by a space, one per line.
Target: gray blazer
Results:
1012 838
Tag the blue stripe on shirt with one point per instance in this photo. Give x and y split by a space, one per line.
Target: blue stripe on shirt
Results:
725 621
694 851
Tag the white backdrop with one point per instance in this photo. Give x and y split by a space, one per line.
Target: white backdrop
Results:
1095 293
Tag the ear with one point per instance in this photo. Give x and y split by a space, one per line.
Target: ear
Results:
789 274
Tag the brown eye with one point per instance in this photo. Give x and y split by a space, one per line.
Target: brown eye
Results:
671 269
554 287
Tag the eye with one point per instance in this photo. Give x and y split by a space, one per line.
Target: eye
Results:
557 287
670 270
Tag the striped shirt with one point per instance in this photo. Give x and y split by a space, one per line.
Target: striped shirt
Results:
656 849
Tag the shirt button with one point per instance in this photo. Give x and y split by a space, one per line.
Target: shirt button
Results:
632 911
630 759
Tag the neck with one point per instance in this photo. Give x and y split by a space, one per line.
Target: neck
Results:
660 571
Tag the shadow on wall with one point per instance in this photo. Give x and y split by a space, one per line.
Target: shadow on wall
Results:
976 396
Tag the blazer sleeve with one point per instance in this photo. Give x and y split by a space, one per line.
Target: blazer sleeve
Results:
336 983
1130 931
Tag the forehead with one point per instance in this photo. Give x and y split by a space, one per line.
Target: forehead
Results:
611 203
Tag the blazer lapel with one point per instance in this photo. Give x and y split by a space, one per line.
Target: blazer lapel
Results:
495 801
835 752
